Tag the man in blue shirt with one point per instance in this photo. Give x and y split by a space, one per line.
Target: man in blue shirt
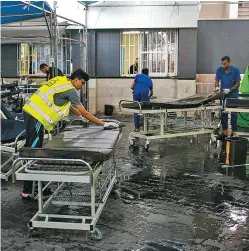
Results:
229 78
142 91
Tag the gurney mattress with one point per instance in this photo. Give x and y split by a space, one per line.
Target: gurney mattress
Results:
190 102
10 129
90 144
238 103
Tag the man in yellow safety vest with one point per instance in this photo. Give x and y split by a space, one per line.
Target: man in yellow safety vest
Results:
50 104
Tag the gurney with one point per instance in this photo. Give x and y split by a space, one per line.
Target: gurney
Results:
12 139
239 105
156 115
81 161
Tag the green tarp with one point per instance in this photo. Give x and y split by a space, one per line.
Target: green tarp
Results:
243 118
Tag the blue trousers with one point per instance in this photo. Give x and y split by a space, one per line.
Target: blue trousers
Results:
224 120
140 96
234 116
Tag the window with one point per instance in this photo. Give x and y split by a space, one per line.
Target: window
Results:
155 49
30 56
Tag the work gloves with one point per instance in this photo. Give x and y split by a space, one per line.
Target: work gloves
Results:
111 124
226 91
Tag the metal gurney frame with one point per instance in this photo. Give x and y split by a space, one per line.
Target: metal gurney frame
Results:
238 110
96 181
164 131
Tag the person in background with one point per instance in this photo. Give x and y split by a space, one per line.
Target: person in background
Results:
48 71
227 81
134 68
49 105
142 87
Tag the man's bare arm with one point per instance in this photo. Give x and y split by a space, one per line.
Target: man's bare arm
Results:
88 115
217 83
132 85
75 111
236 86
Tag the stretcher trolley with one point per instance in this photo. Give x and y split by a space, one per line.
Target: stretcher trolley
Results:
192 116
81 162
241 106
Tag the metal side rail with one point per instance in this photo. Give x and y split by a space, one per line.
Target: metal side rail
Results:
80 184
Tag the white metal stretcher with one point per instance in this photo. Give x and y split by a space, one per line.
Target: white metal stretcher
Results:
81 161
159 124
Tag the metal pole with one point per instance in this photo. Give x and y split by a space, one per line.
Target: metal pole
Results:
85 60
52 45
55 39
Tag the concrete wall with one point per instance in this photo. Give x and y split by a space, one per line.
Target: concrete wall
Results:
111 91
218 38
125 14
8 60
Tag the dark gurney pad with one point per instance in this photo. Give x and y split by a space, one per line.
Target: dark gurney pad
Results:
10 129
190 102
91 144
238 102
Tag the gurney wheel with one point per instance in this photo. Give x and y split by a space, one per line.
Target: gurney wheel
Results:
132 142
95 235
146 146
34 232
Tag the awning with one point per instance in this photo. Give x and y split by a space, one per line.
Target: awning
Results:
16 11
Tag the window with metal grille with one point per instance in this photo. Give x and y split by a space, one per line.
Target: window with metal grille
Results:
156 50
30 56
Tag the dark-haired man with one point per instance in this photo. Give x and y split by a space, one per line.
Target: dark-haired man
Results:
49 71
50 104
134 68
142 87
229 78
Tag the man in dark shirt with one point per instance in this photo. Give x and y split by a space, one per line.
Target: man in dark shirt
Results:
134 68
48 70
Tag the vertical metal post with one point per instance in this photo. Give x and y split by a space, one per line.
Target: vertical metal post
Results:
162 122
145 124
55 39
85 66
40 197
52 44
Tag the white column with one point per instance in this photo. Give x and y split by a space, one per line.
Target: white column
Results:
233 10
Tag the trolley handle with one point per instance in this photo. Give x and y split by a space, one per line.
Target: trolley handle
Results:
51 159
129 101
17 139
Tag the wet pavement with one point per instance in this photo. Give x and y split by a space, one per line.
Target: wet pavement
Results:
175 197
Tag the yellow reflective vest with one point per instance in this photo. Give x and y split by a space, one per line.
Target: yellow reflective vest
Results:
41 104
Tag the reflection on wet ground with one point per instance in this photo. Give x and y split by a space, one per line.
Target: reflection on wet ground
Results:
175 197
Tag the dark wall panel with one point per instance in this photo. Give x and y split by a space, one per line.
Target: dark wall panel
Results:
218 38
76 51
108 53
91 53
9 60
187 53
